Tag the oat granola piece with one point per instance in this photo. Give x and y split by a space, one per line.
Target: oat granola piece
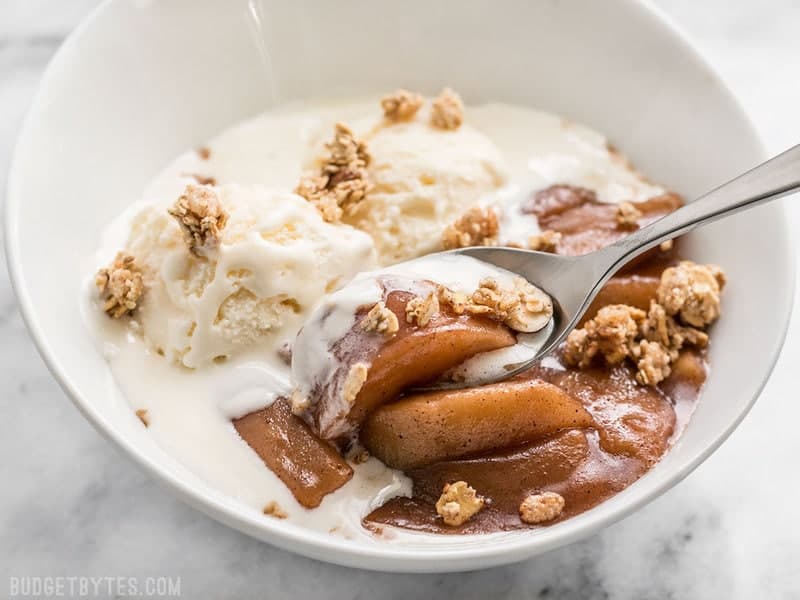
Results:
656 327
691 292
381 320
285 353
539 508
345 151
687 300
665 330
420 309
457 301
341 183
354 382
682 335
447 110
547 241
359 456
121 286
609 334
523 308
666 246
628 215
577 352
401 105
299 402
458 503
142 415
534 309
314 189
477 227
652 362
273 509
201 216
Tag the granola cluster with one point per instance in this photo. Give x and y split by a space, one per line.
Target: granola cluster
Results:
299 402
628 215
401 105
355 380
687 300
458 503
358 455
273 509
547 241
380 320
692 291
341 183
420 309
653 362
523 307
121 286
142 415
477 227
539 508
609 334
200 215
447 110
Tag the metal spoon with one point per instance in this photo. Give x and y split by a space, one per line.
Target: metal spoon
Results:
574 281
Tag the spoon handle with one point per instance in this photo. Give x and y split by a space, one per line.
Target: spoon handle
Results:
770 180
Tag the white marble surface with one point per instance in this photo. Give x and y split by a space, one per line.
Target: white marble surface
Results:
72 505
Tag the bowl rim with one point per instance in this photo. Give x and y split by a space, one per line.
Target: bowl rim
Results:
337 550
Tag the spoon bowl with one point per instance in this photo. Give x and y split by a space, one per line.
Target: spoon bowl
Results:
556 275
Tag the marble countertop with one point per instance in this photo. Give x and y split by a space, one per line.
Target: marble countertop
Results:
72 505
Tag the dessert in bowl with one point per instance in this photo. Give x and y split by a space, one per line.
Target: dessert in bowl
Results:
291 322
284 240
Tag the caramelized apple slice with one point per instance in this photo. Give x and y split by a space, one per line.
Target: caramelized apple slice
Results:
411 356
585 223
309 467
553 463
426 428
633 420
633 290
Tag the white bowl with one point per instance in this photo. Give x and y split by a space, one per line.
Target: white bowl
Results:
141 81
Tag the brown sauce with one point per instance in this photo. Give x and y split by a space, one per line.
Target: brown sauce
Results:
629 427
633 424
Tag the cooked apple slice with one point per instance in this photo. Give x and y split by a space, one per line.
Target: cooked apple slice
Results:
411 356
426 428
585 223
633 290
423 354
310 467
689 368
553 463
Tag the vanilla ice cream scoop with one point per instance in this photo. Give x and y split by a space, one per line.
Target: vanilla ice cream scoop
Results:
423 178
274 259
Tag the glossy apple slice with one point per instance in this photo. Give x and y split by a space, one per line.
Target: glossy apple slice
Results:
437 426
411 356
506 477
310 467
585 223
633 290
